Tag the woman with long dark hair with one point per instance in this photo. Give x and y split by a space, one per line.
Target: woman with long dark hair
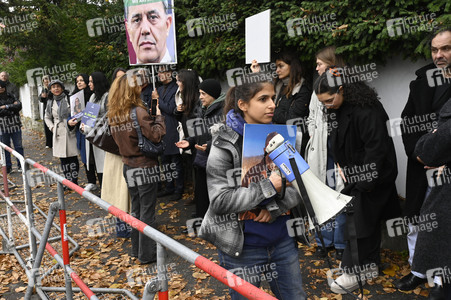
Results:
293 92
187 96
99 85
364 151
124 96
211 112
81 84
187 102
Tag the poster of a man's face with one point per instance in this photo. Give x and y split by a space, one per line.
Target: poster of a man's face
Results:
150 32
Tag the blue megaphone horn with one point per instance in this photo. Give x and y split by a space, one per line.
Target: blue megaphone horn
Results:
326 202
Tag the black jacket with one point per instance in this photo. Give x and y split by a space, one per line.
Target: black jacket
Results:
10 117
199 128
295 106
366 154
434 240
44 99
167 106
419 104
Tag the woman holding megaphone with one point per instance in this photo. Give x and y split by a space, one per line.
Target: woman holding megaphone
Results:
261 247
363 149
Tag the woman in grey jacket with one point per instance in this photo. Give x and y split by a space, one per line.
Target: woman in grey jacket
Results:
258 248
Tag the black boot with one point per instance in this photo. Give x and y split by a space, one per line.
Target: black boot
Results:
409 282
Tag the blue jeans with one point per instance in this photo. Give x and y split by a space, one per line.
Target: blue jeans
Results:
333 232
279 265
16 136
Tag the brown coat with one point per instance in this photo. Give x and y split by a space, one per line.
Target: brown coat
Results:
126 138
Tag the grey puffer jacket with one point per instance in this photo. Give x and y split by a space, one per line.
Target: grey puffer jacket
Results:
221 226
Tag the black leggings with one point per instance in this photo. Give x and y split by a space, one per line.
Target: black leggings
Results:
201 192
91 174
70 168
48 136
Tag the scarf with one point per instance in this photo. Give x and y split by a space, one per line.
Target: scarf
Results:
235 121
63 110
59 98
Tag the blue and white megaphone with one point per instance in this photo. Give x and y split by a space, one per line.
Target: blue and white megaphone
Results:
326 202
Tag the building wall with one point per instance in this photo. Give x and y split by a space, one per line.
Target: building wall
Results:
25 98
392 86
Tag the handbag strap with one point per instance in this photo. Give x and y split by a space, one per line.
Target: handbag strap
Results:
136 125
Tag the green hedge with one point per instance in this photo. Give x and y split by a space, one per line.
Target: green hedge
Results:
358 28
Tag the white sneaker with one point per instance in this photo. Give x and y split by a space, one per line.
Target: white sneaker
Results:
347 281
91 187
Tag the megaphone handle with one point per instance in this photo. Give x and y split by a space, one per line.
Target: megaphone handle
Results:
311 212
281 195
350 220
308 204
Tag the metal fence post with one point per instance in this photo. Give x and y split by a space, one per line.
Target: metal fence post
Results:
6 190
43 242
64 240
162 273
30 213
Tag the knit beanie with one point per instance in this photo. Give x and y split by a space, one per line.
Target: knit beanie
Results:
56 81
212 87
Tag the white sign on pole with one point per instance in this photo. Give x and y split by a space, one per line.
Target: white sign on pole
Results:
258 37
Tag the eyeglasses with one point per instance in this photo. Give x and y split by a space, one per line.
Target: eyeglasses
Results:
330 102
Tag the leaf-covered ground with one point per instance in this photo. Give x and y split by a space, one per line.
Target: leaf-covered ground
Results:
104 261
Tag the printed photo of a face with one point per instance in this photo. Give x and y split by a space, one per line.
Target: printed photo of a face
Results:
150 32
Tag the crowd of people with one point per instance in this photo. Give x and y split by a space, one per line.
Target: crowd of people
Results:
202 128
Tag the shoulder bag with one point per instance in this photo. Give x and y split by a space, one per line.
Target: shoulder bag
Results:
147 147
100 136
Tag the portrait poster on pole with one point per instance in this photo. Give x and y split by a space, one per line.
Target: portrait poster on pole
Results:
258 37
150 32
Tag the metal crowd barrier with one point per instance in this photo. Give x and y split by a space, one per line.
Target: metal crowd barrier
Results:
31 265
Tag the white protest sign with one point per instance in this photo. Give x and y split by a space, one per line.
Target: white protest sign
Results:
258 37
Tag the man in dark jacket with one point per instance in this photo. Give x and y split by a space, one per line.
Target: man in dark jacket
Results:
432 255
171 157
10 125
428 93
10 87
